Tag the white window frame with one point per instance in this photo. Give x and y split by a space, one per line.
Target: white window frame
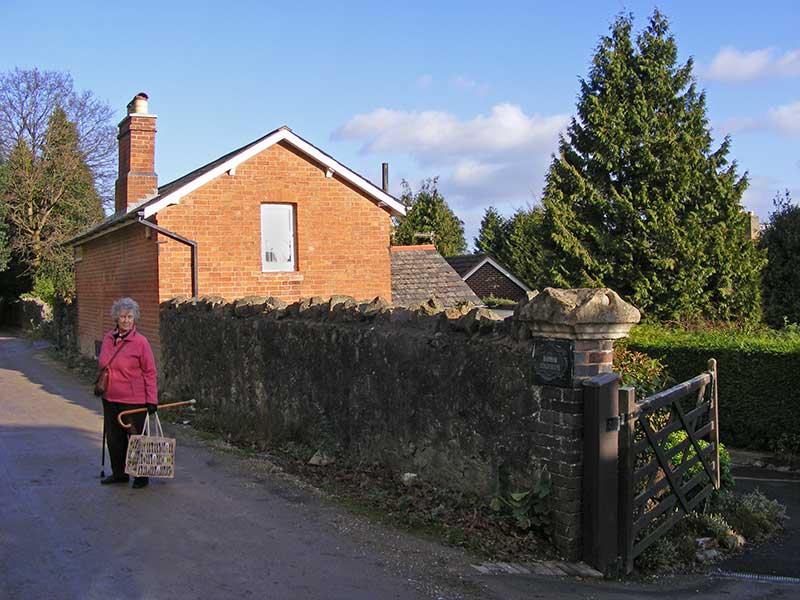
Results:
278 259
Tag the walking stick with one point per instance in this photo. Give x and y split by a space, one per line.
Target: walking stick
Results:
140 410
103 450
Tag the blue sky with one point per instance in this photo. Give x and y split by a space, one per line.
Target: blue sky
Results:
472 92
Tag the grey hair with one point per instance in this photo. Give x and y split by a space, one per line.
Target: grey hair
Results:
125 304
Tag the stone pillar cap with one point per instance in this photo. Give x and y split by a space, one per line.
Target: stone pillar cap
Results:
579 313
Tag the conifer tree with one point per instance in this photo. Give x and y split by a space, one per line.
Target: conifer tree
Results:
527 247
493 235
50 197
781 240
638 200
430 220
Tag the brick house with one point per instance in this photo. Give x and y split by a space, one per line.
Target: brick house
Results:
277 217
419 272
486 277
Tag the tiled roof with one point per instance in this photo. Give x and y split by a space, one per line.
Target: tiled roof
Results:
168 191
419 273
464 264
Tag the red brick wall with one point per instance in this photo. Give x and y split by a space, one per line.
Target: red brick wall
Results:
342 237
136 177
488 281
122 263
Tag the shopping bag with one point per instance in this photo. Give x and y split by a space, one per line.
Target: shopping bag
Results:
150 454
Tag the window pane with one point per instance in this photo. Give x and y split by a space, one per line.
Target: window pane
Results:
277 237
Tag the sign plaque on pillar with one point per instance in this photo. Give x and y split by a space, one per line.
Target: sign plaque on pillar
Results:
553 362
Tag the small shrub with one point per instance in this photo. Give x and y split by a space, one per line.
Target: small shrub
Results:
528 509
645 374
43 289
711 525
753 515
493 302
661 556
726 480
787 445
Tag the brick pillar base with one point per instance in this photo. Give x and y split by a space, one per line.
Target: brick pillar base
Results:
586 321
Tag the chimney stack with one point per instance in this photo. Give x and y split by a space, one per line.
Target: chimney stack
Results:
385 169
137 177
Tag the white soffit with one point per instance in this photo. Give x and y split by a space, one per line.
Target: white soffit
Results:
381 197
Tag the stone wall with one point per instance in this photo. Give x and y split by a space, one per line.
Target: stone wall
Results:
448 394
65 325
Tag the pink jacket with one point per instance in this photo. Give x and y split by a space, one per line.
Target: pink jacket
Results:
132 377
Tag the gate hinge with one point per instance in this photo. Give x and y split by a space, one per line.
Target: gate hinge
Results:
614 423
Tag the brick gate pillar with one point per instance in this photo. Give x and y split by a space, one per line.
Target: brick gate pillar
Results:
573 333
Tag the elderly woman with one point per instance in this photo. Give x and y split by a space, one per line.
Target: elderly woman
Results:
132 382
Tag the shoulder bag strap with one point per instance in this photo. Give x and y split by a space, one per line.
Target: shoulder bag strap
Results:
115 354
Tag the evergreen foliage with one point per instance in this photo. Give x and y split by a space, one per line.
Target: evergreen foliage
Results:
757 378
49 197
429 220
637 199
493 235
781 278
528 255
516 242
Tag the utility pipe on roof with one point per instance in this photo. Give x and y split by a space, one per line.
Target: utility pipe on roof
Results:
178 238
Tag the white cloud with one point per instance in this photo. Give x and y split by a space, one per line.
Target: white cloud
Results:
435 137
759 195
789 63
738 125
785 119
498 159
735 66
471 172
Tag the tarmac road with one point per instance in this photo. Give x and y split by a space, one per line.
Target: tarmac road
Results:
224 528
216 531
781 557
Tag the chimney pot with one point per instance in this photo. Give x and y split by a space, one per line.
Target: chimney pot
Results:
138 105
136 178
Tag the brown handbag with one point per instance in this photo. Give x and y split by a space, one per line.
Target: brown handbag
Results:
101 383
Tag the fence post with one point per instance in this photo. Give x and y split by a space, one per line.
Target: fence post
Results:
601 472
627 407
712 366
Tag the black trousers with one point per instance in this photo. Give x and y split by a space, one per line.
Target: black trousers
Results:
116 436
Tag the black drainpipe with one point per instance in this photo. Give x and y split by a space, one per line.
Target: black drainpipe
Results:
178 238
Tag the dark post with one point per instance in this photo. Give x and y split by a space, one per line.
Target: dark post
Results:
712 366
600 474
385 178
627 407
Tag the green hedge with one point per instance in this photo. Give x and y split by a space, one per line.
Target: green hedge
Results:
759 399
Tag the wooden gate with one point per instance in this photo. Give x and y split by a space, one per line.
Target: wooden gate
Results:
648 463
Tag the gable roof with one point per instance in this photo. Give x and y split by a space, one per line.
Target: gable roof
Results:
420 272
172 192
468 264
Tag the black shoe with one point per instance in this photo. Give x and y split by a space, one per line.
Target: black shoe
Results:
115 479
140 482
